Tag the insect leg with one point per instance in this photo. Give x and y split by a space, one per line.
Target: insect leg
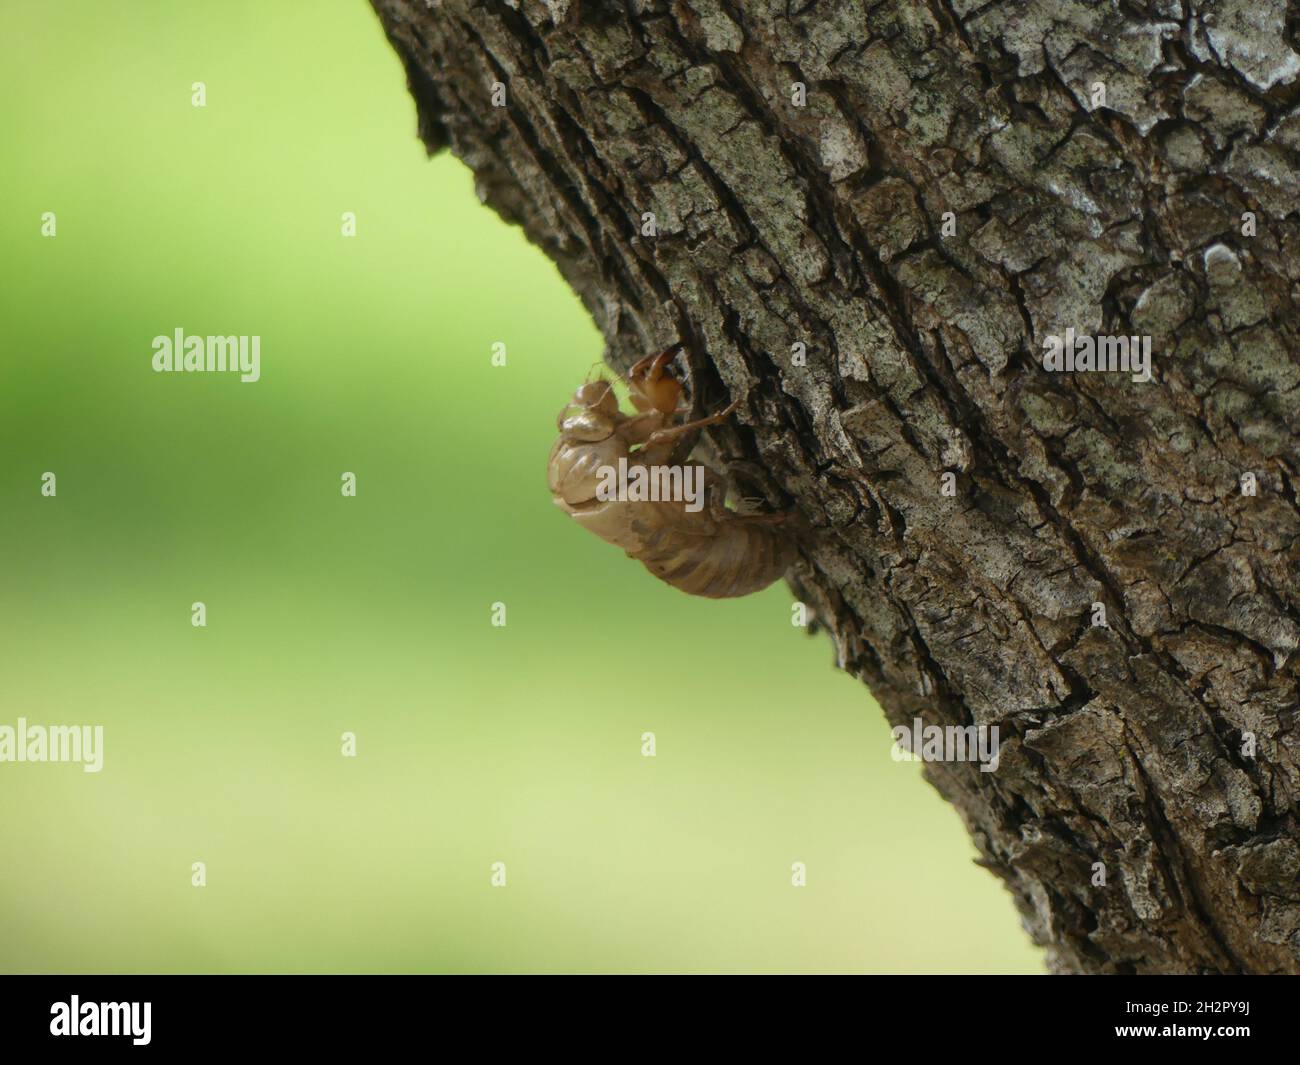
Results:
654 364
638 428
744 471
722 485
676 432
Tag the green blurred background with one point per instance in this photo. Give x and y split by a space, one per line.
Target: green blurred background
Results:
325 614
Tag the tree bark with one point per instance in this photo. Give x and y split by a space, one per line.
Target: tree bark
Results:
1160 747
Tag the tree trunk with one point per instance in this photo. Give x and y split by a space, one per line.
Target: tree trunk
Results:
973 513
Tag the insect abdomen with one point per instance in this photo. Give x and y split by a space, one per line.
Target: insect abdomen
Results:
736 558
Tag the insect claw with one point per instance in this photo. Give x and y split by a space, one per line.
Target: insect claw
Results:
639 366
662 361
653 365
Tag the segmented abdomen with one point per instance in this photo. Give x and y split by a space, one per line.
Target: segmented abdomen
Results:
734 557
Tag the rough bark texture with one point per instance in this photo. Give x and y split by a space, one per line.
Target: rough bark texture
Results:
821 224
